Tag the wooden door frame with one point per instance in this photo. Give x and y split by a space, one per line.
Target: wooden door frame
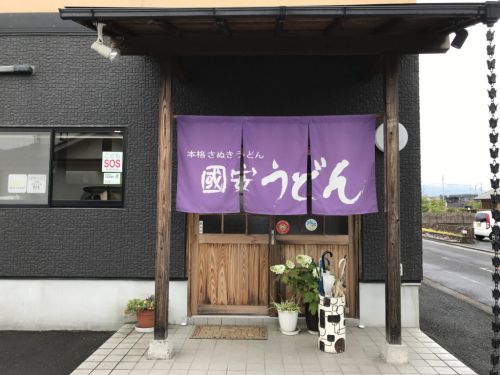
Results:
352 239
193 241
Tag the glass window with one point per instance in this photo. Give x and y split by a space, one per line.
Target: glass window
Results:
210 223
24 167
234 224
258 224
88 167
336 225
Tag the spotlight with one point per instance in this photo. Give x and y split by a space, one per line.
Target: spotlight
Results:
25 69
460 37
101 48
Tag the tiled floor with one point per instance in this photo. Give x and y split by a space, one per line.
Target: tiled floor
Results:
125 353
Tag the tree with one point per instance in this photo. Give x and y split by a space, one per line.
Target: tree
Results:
433 205
474 205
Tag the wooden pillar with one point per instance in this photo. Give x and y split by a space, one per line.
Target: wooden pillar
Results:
163 204
392 201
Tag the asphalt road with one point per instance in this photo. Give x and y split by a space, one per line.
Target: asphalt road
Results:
464 270
459 327
484 245
46 353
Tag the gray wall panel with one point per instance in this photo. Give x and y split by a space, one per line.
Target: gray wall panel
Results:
320 86
73 86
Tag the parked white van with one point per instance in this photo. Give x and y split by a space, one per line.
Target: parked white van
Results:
483 221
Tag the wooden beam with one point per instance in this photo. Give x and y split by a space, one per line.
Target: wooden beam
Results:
250 239
313 239
232 309
118 30
278 28
223 26
163 203
391 24
392 201
274 256
241 45
336 23
169 28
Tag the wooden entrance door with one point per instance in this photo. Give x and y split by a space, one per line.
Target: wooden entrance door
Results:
230 255
229 267
336 234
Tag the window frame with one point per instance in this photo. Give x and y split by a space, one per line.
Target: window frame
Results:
90 203
71 129
273 219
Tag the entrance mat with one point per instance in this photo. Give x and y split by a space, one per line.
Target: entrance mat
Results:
229 332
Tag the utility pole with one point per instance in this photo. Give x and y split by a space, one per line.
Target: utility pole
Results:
442 181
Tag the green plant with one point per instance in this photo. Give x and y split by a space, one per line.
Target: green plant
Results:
302 278
137 304
433 205
289 305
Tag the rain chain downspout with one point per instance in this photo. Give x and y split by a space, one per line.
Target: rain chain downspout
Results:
495 198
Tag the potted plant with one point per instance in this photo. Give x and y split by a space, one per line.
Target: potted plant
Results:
303 279
144 311
288 315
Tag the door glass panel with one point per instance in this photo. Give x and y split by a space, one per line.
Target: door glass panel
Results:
336 225
234 224
258 224
210 223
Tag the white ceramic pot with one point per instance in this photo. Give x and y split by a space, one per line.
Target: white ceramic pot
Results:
288 320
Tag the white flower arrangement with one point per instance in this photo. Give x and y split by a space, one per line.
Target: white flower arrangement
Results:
304 260
278 269
316 272
302 277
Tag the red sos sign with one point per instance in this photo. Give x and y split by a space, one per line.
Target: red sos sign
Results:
112 161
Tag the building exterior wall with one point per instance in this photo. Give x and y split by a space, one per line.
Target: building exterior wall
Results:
73 87
320 86
372 310
95 305
70 88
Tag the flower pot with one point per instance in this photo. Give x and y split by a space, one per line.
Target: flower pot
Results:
312 320
145 318
288 320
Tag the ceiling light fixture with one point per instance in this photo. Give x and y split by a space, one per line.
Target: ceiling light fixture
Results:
17 69
101 48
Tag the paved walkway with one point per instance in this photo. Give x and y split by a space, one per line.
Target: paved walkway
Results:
125 353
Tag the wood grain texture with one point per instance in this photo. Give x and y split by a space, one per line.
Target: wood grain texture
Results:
190 238
234 238
313 239
392 201
232 309
247 45
163 204
236 274
230 274
290 251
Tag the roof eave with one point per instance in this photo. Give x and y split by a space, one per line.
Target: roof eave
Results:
484 12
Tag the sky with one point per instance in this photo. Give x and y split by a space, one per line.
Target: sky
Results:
454 113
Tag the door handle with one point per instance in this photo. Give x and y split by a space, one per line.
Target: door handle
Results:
272 237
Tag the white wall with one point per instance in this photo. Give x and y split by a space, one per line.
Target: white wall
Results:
99 304
78 304
372 305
